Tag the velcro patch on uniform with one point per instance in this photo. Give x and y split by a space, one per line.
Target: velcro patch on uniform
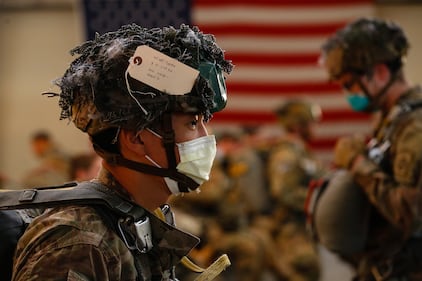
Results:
403 167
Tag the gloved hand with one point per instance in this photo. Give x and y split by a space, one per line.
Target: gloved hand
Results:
347 149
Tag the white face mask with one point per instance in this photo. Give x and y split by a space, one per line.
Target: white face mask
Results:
196 160
197 157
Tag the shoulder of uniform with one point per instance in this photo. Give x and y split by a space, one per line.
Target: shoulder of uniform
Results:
75 217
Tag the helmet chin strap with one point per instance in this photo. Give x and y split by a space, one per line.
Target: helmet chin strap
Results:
169 143
374 100
185 183
168 140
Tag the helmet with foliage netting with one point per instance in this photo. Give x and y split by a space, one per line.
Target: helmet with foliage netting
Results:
97 93
361 45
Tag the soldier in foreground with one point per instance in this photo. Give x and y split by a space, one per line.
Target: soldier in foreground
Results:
143 96
366 58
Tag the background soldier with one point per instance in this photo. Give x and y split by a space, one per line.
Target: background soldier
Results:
291 166
245 168
366 58
53 166
143 96
84 166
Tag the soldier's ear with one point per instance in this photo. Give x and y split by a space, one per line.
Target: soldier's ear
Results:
137 138
382 73
131 142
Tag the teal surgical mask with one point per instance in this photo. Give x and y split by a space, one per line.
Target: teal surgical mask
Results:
358 102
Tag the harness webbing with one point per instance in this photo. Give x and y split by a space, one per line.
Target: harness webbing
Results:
72 193
85 193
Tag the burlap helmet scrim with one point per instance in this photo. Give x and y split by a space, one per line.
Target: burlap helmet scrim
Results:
361 45
298 113
94 93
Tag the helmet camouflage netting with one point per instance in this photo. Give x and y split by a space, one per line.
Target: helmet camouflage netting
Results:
361 45
94 93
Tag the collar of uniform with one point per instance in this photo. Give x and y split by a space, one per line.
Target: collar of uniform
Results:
411 94
170 244
410 99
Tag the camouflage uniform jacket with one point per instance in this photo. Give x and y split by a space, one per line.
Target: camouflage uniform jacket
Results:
290 168
391 177
75 243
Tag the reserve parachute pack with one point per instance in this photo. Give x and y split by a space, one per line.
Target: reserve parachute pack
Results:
338 212
19 207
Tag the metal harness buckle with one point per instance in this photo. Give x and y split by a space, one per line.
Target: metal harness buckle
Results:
142 240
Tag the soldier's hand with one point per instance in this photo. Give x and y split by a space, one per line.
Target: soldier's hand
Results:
347 149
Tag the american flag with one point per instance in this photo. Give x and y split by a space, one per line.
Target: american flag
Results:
274 45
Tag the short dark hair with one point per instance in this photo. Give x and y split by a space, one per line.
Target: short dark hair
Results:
41 135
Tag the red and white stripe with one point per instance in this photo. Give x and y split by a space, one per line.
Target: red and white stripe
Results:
275 45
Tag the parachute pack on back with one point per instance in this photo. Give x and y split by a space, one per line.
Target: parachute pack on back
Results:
19 207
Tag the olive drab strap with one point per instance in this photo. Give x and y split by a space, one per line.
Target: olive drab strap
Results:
70 193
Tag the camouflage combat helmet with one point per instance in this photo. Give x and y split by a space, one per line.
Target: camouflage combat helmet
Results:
297 113
97 93
361 45
126 79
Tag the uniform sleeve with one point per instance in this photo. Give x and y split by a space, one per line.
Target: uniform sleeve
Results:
398 196
57 261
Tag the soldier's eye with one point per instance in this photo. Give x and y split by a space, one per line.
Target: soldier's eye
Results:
349 84
194 122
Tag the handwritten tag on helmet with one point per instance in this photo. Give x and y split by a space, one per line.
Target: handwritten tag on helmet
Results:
161 72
